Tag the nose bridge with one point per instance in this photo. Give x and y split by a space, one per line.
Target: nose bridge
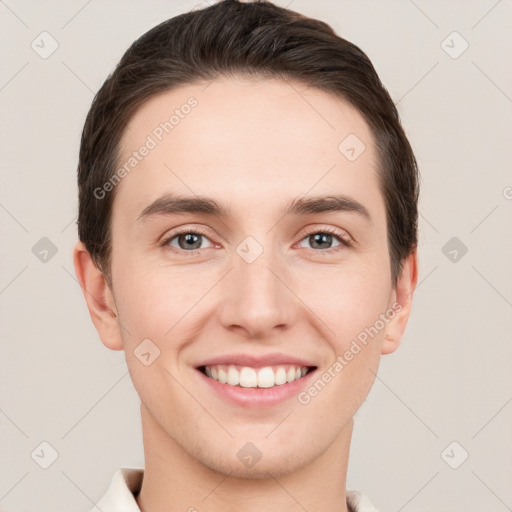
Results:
257 300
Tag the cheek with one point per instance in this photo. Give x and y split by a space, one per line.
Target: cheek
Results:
347 300
157 301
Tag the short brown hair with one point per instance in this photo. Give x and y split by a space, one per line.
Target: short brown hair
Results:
256 39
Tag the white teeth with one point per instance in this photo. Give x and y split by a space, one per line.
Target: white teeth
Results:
233 376
280 376
266 377
248 377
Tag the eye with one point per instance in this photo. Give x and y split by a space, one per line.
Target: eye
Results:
187 240
191 240
321 240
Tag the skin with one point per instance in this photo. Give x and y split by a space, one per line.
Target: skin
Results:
253 145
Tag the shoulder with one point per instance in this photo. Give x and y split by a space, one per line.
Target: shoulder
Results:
120 495
358 502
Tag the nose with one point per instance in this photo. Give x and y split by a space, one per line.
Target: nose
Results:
256 300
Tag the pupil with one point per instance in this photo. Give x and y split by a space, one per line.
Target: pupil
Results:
190 240
321 238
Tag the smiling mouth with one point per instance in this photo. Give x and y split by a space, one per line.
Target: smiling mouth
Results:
249 377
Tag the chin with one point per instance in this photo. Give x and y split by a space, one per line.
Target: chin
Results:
277 464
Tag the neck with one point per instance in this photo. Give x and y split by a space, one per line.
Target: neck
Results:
175 481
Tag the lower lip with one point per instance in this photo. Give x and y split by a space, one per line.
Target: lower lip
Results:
258 397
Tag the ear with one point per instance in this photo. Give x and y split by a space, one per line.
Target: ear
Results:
401 304
99 298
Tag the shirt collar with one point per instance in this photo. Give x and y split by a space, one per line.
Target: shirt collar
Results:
121 493
126 484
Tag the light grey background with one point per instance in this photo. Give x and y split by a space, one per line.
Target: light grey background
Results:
449 381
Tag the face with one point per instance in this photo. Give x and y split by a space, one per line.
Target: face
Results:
251 272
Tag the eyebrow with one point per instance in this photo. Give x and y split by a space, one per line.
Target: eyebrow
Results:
171 204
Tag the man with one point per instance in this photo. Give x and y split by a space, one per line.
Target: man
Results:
247 223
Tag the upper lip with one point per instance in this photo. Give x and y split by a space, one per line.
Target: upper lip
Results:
256 361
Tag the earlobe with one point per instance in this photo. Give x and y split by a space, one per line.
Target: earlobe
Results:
402 304
99 298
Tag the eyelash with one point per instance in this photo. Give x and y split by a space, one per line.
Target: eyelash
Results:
344 243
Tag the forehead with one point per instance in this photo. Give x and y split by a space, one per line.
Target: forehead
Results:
247 139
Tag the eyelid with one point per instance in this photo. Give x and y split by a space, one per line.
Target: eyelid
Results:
183 230
342 234
345 239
